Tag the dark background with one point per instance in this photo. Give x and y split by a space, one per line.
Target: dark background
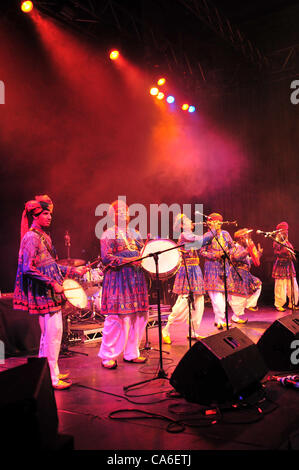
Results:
84 130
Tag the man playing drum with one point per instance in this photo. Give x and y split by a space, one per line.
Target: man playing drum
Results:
38 287
180 311
124 292
246 290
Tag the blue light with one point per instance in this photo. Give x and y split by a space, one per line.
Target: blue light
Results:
191 109
170 99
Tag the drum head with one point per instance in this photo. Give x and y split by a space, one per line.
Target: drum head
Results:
74 293
167 262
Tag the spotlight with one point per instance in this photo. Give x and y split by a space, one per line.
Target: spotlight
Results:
27 6
161 81
170 99
154 91
191 109
160 95
114 55
185 106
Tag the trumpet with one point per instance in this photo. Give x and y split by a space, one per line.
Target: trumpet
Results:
227 222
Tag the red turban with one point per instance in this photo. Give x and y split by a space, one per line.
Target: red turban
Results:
282 226
215 217
35 207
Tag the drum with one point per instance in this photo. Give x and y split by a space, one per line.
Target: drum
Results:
168 262
92 281
75 293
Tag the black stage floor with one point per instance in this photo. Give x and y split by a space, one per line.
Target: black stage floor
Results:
143 418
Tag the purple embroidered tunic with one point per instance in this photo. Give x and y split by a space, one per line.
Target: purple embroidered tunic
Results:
36 272
213 270
181 285
124 287
248 283
283 267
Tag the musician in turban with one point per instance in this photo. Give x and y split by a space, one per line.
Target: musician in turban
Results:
38 287
284 274
246 288
124 293
214 267
184 281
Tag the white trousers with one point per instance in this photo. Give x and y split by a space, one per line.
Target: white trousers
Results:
239 303
218 304
50 341
122 333
180 313
283 289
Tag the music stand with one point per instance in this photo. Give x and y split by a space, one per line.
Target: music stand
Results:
190 298
161 373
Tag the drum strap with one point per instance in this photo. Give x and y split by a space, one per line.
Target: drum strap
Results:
50 249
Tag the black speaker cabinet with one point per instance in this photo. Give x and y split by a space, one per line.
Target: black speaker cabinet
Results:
275 345
27 407
218 368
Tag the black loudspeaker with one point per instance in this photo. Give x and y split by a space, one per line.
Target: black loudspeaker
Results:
27 407
219 368
276 347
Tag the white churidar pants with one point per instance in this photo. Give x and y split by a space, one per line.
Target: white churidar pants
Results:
180 313
50 341
122 333
238 303
283 289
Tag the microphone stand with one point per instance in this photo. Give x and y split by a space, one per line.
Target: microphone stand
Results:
190 298
161 373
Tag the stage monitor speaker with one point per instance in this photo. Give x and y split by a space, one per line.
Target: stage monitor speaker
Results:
275 345
27 407
219 368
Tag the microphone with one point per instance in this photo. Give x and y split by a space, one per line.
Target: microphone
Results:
267 234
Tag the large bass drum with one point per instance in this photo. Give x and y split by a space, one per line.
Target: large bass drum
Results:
168 262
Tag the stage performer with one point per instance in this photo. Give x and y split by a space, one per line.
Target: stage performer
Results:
124 293
180 310
245 291
38 287
214 267
286 286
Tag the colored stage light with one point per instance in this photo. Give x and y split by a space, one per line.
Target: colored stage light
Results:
26 7
170 99
154 91
185 106
161 81
114 55
191 109
160 95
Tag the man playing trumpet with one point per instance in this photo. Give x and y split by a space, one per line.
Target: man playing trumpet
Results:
284 271
246 287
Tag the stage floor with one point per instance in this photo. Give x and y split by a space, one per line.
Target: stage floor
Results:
85 409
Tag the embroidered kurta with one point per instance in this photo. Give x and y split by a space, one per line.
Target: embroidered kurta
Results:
213 269
181 285
246 286
36 272
283 267
124 287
